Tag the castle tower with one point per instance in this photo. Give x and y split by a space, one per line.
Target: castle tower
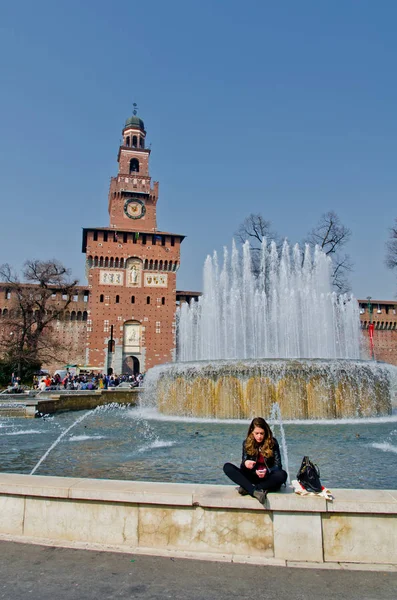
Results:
131 268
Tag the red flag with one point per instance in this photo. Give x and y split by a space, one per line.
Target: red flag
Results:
371 327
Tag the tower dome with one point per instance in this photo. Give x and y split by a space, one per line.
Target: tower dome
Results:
135 121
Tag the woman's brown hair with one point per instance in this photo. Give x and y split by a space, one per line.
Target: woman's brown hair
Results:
252 447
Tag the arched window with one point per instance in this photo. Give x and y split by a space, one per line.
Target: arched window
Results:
134 165
117 299
161 265
5 312
163 300
85 315
79 315
101 298
141 142
73 315
96 261
116 263
66 315
127 140
101 261
132 299
134 141
121 263
111 262
148 300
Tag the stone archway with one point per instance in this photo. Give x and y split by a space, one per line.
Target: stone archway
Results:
131 365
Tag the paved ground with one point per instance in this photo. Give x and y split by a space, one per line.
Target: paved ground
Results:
46 573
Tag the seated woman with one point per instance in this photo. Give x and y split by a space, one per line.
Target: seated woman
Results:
261 470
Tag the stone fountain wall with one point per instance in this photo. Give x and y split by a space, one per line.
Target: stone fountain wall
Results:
357 529
304 389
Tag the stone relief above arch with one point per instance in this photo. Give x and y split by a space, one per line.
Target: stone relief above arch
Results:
132 337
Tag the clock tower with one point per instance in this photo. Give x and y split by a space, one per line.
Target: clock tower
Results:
132 198
131 267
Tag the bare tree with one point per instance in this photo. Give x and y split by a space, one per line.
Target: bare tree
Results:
253 229
332 236
391 247
26 336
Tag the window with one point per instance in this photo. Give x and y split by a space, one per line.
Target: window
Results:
143 239
134 165
101 298
65 296
172 241
163 300
127 140
117 299
134 141
154 239
8 294
95 236
163 240
125 238
148 300
132 299
105 236
85 315
75 298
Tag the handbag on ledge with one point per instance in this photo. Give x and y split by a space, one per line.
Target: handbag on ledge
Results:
309 476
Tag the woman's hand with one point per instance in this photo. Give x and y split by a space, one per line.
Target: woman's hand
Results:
261 473
249 464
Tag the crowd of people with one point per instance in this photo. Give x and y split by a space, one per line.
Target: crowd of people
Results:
90 381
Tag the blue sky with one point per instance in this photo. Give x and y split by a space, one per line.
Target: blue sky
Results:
287 109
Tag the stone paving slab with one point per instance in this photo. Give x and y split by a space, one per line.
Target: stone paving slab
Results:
45 573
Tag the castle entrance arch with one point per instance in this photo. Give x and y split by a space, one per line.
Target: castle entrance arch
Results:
131 365
132 341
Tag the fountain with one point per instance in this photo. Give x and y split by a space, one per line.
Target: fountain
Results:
275 333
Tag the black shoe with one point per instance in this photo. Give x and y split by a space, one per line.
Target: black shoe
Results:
261 496
242 491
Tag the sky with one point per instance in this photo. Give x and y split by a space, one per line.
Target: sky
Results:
281 108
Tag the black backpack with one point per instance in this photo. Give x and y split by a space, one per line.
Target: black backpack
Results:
309 476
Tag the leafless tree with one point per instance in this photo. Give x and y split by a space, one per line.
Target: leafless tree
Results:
253 229
391 247
26 335
332 236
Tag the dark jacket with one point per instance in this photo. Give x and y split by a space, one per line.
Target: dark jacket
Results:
273 463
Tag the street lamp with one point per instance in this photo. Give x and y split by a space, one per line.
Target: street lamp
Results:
111 349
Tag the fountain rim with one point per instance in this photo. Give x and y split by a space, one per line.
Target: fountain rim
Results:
362 361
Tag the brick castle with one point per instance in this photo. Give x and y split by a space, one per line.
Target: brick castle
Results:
123 321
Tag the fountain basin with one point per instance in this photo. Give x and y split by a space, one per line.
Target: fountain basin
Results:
303 388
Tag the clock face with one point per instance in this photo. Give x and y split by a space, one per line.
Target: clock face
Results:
134 209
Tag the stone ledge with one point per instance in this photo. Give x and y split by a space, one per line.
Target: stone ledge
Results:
202 521
185 494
